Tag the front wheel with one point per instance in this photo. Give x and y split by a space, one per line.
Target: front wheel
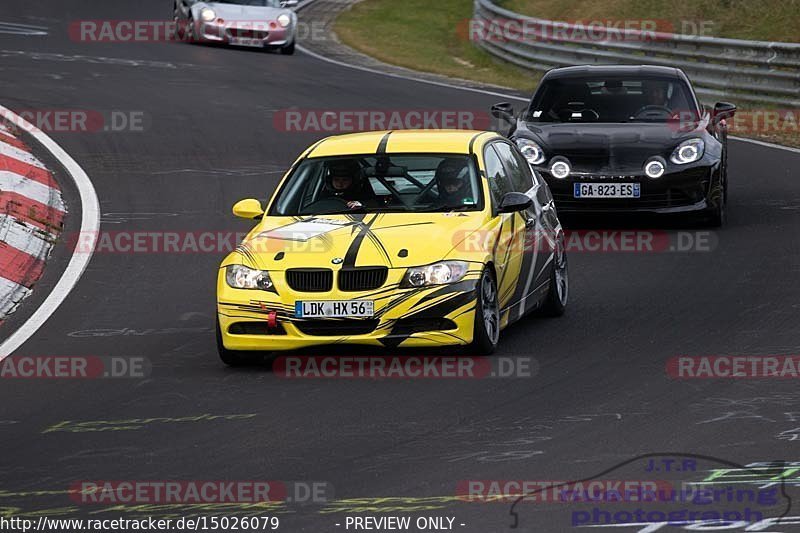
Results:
719 213
486 330
287 50
556 302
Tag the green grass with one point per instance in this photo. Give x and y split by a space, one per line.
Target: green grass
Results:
762 20
426 36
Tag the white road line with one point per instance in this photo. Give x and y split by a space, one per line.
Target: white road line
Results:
24 238
766 144
90 224
11 294
411 78
9 181
20 155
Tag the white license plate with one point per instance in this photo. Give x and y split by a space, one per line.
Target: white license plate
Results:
334 309
247 41
607 190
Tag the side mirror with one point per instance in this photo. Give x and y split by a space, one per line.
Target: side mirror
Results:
724 110
513 202
249 208
288 3
503 111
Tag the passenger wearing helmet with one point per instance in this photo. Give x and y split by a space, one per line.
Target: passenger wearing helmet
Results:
343 180
452 177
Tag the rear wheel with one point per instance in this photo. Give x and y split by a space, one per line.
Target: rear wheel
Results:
486 330
230 357
556 302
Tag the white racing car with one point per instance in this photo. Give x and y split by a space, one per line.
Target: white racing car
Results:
268 24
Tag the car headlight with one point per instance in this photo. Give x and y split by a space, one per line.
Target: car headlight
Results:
532 151
654 168
242 277
688 152
284 20
207 14
439 273
560 169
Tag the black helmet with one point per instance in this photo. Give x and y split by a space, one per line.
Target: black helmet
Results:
343 168
452 170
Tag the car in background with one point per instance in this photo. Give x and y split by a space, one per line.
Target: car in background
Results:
625 138
401 238
267 24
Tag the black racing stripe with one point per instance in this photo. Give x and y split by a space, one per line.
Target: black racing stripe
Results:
404 225
352 251
462 286
311 150
383 143
474 138
381 248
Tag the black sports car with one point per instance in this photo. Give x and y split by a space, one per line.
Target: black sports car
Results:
625 138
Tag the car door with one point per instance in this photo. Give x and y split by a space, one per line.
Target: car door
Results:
533 251
508 251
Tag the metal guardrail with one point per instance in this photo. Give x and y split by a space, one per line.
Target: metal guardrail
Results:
752 71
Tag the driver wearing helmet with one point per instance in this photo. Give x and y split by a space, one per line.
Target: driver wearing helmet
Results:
452 177
343 180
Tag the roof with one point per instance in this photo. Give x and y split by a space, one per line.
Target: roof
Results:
400 141
616 70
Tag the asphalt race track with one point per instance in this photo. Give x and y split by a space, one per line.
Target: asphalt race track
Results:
601 395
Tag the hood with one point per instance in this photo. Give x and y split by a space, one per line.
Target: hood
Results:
395 240
607 148
240 13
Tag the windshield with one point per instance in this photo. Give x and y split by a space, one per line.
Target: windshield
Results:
612 100
419 183
260 3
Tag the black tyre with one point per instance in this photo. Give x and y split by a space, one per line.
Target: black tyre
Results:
556 302
287 50
486 332
717 215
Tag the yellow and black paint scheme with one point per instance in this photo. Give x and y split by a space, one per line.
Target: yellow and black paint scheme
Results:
250 320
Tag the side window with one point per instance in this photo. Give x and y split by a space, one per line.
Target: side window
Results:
495 175
518 168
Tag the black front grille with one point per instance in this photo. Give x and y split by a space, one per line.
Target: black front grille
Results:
336 327
362 278
407 326
248 33
310 279
255 328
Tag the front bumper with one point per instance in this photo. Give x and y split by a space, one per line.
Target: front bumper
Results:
267 34
424 317
687 190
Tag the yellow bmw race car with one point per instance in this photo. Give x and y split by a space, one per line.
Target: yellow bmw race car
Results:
400 238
